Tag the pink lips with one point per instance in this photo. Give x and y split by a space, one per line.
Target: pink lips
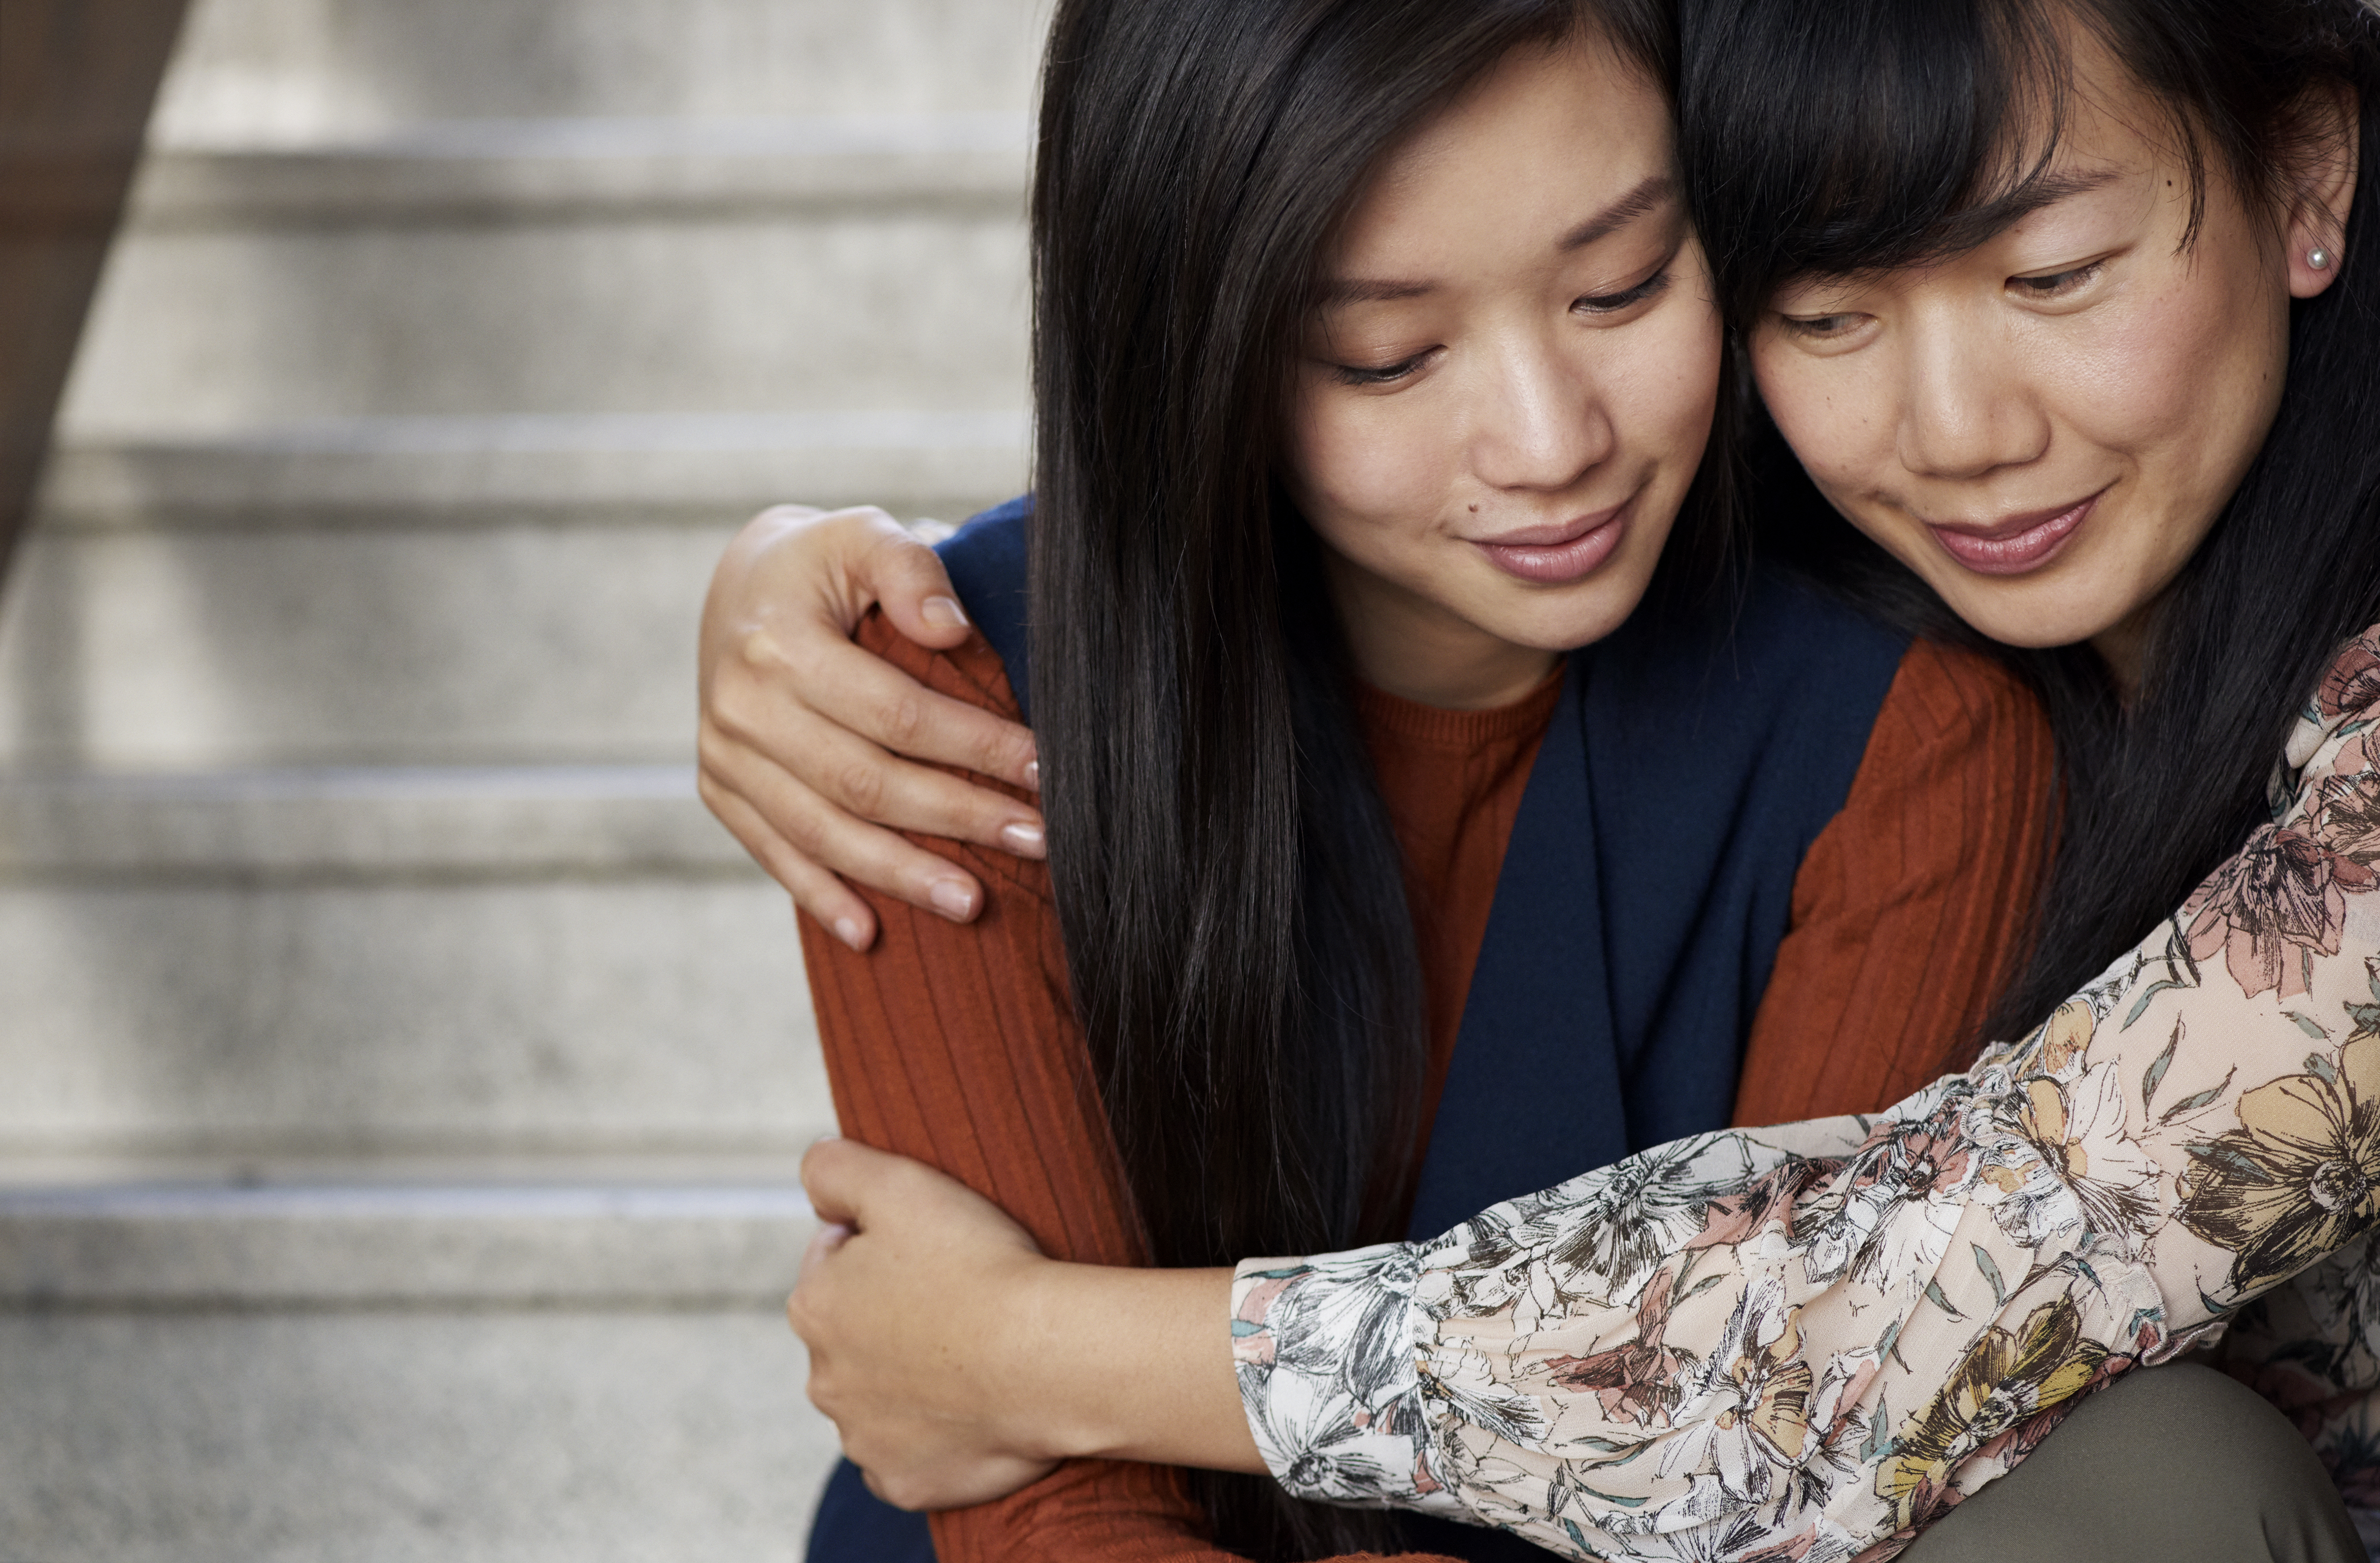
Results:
2018 546
1563 552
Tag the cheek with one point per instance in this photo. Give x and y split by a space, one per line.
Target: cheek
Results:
1353 453
1827 412
2185 377
1664 397
1357 464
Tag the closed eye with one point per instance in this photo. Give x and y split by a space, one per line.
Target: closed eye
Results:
1821 327
2055 285
1612 303
1384 374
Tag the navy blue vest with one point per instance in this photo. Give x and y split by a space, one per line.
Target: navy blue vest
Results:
1694 759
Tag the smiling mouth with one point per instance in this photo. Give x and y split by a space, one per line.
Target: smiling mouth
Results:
1561 552
2019 544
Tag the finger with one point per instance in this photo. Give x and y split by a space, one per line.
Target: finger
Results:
863 779
809 1310
908 579
857 690
841 1175
820 841
815 889
825 1240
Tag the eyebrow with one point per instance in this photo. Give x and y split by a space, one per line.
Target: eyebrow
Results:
1980 224
1654 192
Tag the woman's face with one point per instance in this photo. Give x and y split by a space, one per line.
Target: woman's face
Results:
1508 382
2045 428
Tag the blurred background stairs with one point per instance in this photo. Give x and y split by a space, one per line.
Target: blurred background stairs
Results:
404 1075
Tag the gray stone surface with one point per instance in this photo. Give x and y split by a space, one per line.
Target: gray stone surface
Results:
214 328
360 824
389 1436
513 170
628 1013
578 1245
167 650
406 1080
310 69
423 472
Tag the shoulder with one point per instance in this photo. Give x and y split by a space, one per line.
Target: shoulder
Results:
1772 677
973 673
987 562
1823 635
990 563
1948 705
1769 637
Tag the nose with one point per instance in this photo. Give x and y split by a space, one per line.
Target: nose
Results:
1966 407
1542 425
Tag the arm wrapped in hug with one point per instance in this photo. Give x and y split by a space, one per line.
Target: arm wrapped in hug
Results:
1826 1334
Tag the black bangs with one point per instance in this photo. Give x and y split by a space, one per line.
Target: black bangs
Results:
1859 135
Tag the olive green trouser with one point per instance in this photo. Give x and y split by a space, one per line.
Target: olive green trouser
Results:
2177 1464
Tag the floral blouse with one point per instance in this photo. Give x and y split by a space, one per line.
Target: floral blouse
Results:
1818 1337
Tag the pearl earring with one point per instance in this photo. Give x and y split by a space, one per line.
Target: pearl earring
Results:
2318 258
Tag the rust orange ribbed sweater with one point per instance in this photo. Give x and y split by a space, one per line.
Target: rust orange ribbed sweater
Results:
957 1045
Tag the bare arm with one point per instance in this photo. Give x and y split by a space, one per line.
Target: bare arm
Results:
803 734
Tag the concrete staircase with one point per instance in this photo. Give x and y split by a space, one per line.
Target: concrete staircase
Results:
404 1075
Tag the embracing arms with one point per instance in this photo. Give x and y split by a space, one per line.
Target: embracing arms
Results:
1832 1330
1950 743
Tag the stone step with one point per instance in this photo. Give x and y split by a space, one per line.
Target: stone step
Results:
413 472
263 970
516 171
404 824
638 281
479 1436
191 649
299 68
401 1244
288 1375
392 591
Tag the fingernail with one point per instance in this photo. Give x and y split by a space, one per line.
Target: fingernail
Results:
847 931
944 612
1021 838
1033 774
952 898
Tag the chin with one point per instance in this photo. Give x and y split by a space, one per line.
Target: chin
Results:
1573 626
2018 616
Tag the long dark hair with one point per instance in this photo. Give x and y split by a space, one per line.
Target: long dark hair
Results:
1236 932
1831 137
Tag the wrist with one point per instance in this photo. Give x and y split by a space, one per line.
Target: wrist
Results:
1123 1363
1028 1368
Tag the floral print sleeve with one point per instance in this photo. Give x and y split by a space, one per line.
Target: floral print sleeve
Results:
1806 1342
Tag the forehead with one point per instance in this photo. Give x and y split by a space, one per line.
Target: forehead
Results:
2095 121
1547 134
2052 121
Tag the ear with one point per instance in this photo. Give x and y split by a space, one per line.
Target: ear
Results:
2323 186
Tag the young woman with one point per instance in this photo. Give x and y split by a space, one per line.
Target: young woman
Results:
2082 281
1249 989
